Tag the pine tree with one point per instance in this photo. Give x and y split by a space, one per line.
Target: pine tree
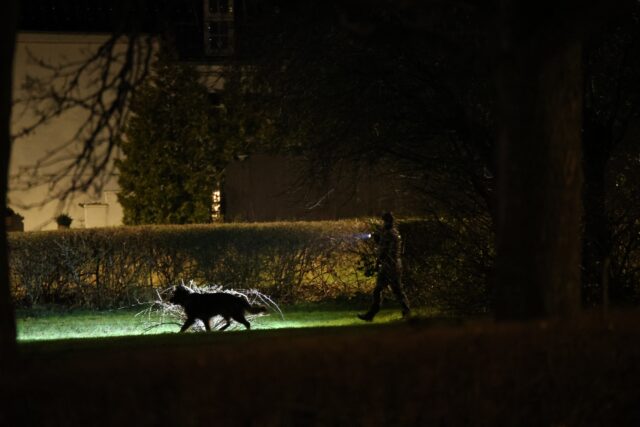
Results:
173 152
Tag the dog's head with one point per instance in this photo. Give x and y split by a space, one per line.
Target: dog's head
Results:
180 295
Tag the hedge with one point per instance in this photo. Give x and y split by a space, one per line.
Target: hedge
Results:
117 266
289 261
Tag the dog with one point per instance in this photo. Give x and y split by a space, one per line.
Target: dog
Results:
204 306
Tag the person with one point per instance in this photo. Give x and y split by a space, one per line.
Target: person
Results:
389 268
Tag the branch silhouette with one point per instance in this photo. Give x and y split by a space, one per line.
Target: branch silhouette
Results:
99 87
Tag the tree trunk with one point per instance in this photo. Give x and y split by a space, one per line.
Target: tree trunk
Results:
596 249
8 18
8 12
539 98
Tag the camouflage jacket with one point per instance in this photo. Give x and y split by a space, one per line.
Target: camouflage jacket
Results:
389 249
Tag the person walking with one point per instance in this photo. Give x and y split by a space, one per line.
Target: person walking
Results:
389 268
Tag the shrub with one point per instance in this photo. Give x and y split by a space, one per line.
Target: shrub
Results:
289 261
118 266
447 263
64 220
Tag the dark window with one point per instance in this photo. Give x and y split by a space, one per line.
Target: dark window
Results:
220 7
219 35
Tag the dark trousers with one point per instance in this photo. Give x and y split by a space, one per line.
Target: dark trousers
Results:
393 279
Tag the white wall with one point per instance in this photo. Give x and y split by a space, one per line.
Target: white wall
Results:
91 209
32 203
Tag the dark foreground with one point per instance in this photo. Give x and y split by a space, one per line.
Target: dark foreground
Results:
581 373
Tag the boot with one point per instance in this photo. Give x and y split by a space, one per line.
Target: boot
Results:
367 317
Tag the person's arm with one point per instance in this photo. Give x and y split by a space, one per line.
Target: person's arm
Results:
383 248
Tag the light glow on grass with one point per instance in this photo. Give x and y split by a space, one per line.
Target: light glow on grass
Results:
87 324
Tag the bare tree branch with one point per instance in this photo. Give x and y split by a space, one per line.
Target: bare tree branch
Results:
99 87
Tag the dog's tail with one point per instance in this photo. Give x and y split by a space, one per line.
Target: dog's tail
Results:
256 309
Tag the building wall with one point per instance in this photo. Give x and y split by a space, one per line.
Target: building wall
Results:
34 202
261 188
271 188
96 215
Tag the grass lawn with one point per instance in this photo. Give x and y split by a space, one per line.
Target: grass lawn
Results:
421 372
34 325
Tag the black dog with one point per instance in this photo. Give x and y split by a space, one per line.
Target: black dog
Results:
207 305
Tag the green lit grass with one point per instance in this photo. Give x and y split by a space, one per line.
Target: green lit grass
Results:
77 324
37 325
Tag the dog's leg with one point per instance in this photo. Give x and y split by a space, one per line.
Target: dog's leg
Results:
187 323
226 325
240 318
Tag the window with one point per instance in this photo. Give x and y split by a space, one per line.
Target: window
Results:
218 27
220 7
216 214
219 36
